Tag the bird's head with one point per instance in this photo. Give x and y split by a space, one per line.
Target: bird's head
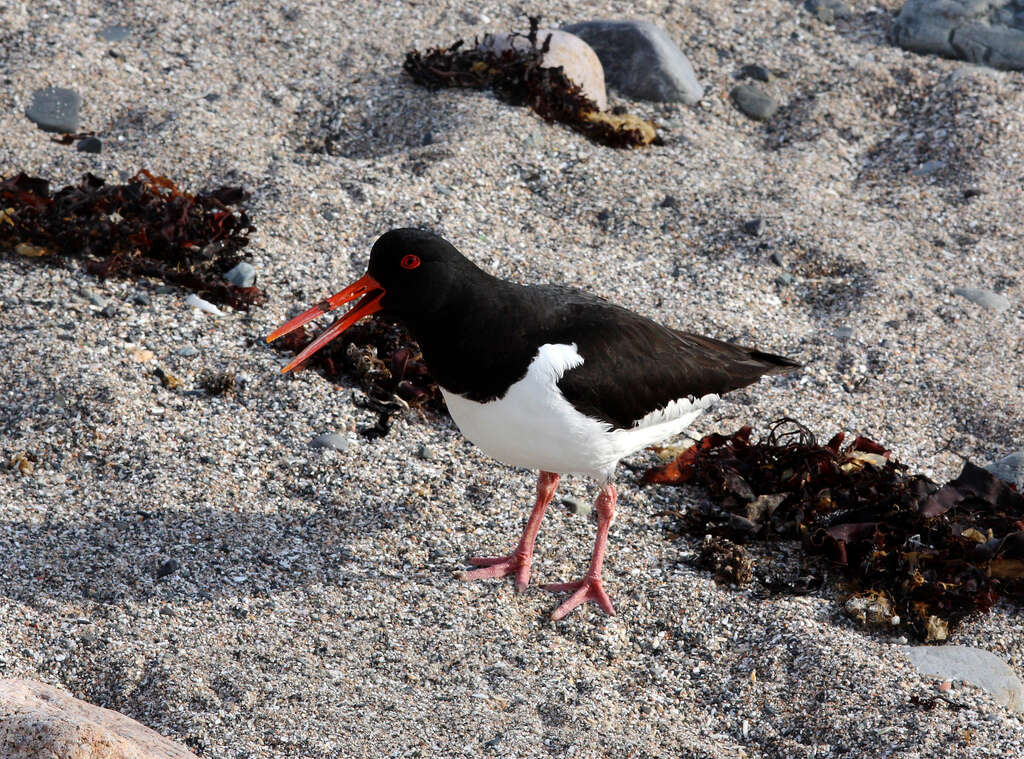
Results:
410 275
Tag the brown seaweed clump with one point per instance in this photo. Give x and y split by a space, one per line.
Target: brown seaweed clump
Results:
935 554
146 227
517 77
384 360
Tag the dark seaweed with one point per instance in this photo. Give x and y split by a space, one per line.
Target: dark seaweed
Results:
517 77
147 227
938 554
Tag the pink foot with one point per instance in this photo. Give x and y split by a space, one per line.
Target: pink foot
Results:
519 561
501 566
587 589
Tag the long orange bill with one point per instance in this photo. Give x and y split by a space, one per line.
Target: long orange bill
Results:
366 286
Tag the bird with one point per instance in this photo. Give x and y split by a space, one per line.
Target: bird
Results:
543 377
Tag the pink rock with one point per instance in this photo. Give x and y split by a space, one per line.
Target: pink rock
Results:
39 720
577 59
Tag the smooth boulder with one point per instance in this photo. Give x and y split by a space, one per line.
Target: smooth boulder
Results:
640 60
39 720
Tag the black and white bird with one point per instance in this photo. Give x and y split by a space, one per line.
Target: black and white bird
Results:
541 376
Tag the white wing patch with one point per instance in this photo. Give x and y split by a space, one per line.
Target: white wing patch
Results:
534 426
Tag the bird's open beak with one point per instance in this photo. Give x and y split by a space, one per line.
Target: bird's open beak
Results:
366 286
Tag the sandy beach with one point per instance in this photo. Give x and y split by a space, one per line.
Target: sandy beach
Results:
313 608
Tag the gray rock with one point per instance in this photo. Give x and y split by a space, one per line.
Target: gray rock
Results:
242 275
985 298
842 333
55 109
1010 468
974 665
754 71
754 102
753 227
188 351
929 167
426 453
94 298
990 32
785 279
576 506
89 145
115 33
776 258
577 60
168 567
640 60
331 440
828 10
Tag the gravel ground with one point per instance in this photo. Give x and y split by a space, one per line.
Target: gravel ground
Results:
314 609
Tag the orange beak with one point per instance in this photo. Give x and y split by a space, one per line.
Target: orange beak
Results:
366 286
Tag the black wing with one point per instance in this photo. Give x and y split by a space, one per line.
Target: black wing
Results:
633 365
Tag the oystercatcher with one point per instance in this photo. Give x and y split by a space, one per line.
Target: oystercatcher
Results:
541 376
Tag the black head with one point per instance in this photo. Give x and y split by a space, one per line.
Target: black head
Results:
418 271
414 275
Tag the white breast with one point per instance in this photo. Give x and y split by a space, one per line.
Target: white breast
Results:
534 426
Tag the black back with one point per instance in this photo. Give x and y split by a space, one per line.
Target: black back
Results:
485 336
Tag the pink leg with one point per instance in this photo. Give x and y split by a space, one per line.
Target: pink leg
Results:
519 560
589 588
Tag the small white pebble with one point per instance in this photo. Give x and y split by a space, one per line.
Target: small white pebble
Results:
195 301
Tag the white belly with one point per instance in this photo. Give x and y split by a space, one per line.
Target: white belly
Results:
535 427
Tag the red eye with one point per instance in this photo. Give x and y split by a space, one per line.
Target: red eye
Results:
410 261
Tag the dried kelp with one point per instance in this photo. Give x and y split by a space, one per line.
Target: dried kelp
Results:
935 554
147 227
517 77
384 360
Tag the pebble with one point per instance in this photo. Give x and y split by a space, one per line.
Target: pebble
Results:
754 102
754 226
55 109
115 33
754 71
141 299
985 298
842 333
785 278
109 311
89 145
828 11
989 33
777 259
576 506
168 567
578 60
188 351
196 302
242 275
928 167
1010 468
94 298
973 665
332 440
640 60
426 453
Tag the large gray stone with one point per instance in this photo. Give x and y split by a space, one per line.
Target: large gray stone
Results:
974 665
990 32
38 720
1010 468
577 59
640 60
55 109
985 298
